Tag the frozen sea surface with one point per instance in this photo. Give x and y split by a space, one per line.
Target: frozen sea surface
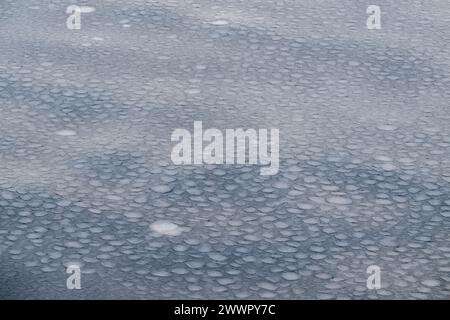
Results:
86 176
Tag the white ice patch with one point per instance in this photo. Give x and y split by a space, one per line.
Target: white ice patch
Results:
387 127
166 228
72 263
388 167
219 22
161 188
192 91
339 200
217 257
383 158
133 215
87 9
65 133
290 276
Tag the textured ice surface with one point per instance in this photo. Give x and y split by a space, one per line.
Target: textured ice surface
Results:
85 172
